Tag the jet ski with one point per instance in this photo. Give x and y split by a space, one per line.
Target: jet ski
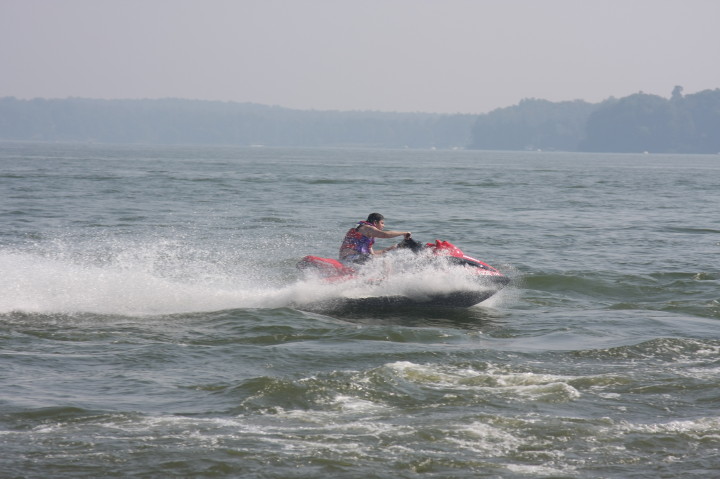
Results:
482 281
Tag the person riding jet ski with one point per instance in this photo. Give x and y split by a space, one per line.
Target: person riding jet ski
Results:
357 246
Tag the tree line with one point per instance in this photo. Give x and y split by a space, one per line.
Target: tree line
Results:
636 123
682 124
177 121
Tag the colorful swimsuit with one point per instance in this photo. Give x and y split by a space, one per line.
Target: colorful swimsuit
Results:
356 246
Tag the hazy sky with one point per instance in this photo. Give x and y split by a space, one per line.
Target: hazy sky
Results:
468 56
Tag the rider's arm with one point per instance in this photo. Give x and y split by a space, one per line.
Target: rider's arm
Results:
373 232
386 249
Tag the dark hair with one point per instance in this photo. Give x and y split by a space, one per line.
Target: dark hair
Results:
375 217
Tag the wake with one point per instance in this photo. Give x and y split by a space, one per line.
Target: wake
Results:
168 277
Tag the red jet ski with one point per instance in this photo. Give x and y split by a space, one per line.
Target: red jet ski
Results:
485 280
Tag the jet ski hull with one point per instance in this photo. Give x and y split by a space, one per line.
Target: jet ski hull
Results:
489 281
456 300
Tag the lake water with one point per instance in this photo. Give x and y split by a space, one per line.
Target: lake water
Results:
149 319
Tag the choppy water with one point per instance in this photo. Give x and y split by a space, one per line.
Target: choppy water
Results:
147 326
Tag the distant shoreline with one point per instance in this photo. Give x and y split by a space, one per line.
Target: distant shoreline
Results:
634 124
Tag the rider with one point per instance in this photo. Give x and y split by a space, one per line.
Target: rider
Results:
357 246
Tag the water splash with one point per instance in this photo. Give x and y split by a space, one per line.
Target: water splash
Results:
111 275
156 276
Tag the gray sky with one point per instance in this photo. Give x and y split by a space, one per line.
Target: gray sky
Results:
448 56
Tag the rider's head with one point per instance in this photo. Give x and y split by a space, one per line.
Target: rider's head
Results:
375 218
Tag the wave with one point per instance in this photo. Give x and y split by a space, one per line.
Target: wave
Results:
692 293
677 352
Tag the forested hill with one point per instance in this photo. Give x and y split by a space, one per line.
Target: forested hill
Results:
682 124
174 121
637 123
